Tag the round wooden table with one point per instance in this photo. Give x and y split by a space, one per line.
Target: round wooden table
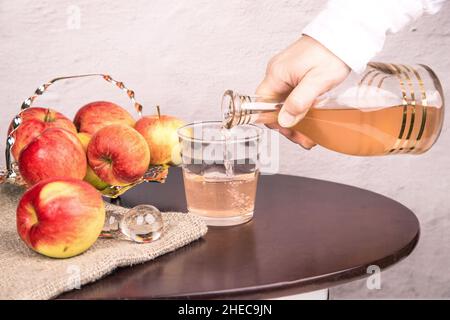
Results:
306 235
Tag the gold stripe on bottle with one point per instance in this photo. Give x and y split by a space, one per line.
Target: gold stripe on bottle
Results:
380 83
372 78
371 75
395 71
413 108
380 71
383 67
366 75
424 104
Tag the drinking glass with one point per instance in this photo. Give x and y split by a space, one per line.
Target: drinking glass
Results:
220 171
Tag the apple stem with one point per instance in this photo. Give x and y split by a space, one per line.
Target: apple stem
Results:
158 111
47 116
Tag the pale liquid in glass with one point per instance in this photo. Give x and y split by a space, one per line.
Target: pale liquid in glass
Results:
214 194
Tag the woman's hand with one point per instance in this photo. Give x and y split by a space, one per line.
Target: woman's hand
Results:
298 75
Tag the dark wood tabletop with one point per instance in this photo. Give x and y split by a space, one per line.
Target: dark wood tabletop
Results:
306 235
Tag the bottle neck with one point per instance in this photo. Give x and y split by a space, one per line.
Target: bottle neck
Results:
240 109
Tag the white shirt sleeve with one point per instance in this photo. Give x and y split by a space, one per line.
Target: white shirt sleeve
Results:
355 30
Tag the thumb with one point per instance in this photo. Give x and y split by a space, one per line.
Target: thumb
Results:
301 99
273 88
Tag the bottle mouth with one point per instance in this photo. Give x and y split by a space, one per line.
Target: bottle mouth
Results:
228 108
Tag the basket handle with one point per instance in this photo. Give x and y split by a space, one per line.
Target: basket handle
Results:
11 174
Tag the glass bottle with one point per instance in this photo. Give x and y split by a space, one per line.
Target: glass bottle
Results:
389 109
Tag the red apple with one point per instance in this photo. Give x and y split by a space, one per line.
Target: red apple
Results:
55 153
96 115
90 176
60 218
34 121
118 154
160 132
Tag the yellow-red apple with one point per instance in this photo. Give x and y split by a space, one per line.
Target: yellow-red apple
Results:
90 176
55 153
118 154
160 132
96 115
60 218
94 179
34 121
84 139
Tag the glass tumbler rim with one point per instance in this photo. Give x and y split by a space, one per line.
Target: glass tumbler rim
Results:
254 137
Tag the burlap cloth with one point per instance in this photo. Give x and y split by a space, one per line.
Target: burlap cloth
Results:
25 274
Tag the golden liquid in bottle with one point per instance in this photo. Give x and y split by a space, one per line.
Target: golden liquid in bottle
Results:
371 132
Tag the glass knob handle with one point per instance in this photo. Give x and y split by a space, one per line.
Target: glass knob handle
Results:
141 224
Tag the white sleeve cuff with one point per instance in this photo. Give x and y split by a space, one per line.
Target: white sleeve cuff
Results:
345 38
355 30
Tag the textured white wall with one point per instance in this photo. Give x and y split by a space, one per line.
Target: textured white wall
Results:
184 54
